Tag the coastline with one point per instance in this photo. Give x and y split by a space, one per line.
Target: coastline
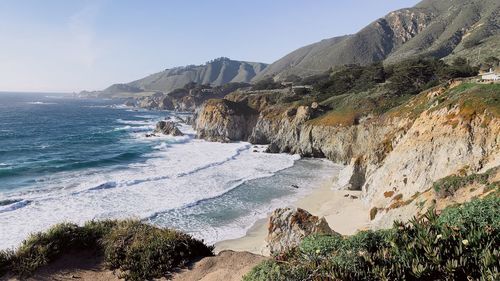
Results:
345 214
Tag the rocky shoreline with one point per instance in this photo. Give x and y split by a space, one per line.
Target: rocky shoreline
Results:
401 152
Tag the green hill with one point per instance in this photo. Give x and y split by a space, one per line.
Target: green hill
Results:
442 29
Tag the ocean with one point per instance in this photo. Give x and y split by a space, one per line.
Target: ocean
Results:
64 159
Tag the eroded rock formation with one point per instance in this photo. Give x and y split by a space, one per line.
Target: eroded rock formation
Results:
168 128
287 227
224 120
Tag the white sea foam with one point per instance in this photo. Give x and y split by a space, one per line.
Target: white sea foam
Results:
146 116
40 102
176 175
134 122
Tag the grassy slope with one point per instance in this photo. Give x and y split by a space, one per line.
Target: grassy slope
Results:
470 97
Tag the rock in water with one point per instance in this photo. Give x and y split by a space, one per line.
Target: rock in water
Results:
130 103
287 227
168 128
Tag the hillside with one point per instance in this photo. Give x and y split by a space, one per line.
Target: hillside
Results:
443 29
216 73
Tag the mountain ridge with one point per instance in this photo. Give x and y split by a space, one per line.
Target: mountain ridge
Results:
216 72
441 29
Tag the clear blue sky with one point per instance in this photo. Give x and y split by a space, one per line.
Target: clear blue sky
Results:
63 45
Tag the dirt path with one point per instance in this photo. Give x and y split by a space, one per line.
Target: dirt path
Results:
86 266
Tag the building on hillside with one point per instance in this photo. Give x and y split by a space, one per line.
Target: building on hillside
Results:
491 75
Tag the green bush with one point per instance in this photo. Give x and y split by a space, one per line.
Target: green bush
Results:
267 83
315 245
461 244
483 213
270 270
138 250
142 251
447 186
41 248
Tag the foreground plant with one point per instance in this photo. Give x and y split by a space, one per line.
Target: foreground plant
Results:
463 243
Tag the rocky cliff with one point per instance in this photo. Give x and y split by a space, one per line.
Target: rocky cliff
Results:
224 120
437 133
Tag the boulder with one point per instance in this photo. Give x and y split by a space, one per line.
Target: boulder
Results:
130 103
168 128
287 227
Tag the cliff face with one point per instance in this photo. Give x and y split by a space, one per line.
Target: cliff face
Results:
438 143
164 102
223 120
437 133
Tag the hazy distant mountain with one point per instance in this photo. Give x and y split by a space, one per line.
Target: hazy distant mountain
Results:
440 28
216 72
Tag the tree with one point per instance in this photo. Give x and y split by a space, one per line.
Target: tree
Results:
491 62
459 61
293 78
266 84
411 76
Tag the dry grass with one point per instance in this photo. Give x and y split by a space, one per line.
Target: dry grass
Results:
344 117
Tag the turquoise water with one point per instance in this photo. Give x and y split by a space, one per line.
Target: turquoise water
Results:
71 160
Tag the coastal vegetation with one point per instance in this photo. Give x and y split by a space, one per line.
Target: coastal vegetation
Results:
447 186
136 250
462 243
348 93
407 77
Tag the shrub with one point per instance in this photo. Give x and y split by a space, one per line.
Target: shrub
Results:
268 270
483 212
266 84
138 250
461 244
41 248
447 186
142 251
320 244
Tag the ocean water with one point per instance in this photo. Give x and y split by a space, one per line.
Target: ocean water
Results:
71 160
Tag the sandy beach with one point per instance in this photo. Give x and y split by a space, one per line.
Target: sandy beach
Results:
343 209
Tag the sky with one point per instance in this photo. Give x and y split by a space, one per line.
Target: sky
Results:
68 46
